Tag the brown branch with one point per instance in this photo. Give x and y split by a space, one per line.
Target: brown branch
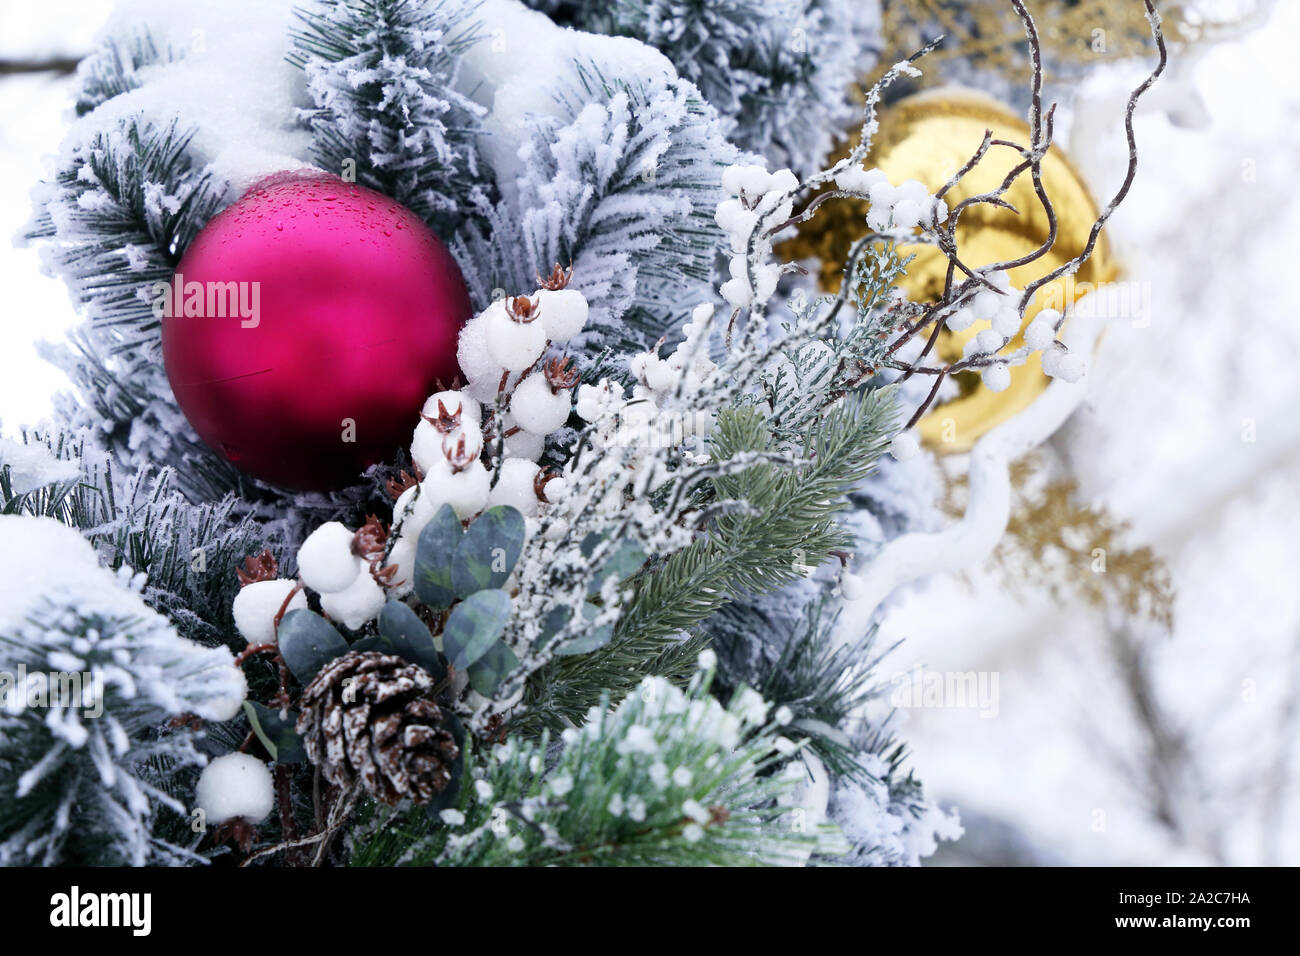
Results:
54 64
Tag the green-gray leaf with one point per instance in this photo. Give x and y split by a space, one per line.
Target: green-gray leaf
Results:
487 553
590 640
435 554
473 625
553 622
401 632
451 793
626 560
307 643
276 733
486 672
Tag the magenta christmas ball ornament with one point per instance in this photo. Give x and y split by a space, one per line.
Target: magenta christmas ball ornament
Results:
305 326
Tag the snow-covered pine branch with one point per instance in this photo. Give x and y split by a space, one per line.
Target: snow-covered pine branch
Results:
382 74
779 74
622 186
90 676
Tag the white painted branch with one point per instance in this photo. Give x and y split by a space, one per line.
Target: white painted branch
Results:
973 538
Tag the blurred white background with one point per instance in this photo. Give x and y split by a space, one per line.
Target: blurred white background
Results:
1184 750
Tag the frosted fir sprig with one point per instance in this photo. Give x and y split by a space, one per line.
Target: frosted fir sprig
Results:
666 776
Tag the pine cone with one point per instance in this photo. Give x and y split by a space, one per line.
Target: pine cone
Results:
383 729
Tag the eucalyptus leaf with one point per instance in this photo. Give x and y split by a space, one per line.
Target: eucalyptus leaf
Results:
435 555
627 559
451 793
590 640
486 672
308 642
553 622
487 553
276 733
473 625
402 632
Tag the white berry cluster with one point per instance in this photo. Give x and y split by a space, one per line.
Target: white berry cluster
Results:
473 448
999 308
757 196
329 565
901 207
656 414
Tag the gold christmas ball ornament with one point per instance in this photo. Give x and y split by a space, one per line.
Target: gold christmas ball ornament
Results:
928 137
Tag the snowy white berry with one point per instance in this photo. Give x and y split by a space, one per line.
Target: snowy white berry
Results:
402 557
859 180
783 181
904 446
883 194
997 378
513 345
412 511
325 560
473 356
1006 321
734 219
465 490
737 292
514 486
563 313
235 785
455 402
556 489
988 340
938 211
753 181
596 400
429 446
1068 367
986 304
257 604
907 214
852 587
523 444
1051 359
537 409
426 446
960 320
1042 330
912 190
357 604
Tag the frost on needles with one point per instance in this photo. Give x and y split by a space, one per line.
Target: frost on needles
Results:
779 74
91 676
